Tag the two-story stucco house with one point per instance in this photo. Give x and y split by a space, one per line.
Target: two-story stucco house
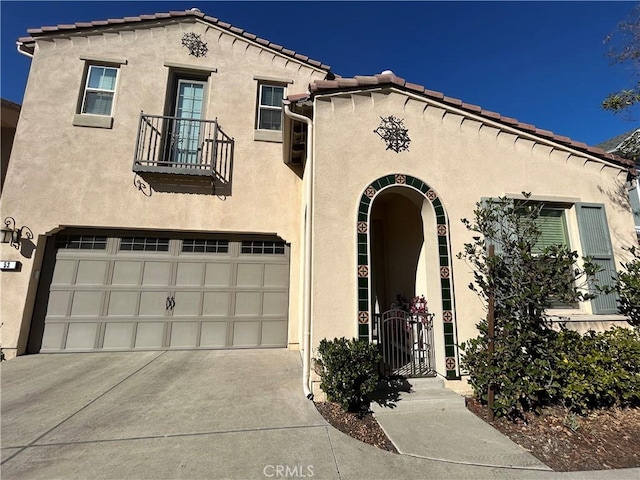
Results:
189 185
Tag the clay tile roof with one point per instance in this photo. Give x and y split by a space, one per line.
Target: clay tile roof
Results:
79 26
415 87
380 80
471 108
298 96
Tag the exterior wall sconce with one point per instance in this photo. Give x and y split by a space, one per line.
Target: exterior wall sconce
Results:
13 235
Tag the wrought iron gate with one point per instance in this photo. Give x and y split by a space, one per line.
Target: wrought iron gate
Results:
406 343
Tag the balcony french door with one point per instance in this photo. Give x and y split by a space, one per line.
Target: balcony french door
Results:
186 129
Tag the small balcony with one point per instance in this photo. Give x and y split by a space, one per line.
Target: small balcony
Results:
188 153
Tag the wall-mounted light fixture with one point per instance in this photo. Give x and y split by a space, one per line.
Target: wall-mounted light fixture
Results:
13 235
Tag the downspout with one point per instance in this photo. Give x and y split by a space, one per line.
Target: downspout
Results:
306 342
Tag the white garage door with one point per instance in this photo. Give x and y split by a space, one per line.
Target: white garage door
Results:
132 293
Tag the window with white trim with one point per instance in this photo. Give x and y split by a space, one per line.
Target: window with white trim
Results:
99 90
269 115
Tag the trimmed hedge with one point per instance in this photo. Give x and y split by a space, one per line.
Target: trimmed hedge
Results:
581 372
348 371
599 370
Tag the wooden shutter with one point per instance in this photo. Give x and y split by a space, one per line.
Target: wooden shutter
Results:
596 242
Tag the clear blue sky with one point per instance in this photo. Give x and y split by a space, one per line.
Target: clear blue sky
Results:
543 63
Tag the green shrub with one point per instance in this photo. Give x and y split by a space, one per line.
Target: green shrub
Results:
348 371
524 278
627 284
598 370
522 370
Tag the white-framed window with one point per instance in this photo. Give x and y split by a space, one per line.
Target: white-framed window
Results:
269 115
99 91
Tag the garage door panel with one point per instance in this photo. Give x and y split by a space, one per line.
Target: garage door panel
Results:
275 303
184 334
215 304
274 333
245 333
91 272
156 273
150 334
53 336
153 304
276 275
189 274
126 272
123 304
81 336
86 304
118 335
64 272
248 303
217 275
58 305
249 275
187 304
213 334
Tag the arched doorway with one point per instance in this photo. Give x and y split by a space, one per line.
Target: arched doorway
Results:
403 249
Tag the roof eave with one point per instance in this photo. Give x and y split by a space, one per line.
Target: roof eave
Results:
349 85
81 27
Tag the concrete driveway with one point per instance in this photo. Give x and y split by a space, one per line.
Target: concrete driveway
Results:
176 414
191 415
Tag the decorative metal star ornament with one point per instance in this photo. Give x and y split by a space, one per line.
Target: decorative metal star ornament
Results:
392 131
194 43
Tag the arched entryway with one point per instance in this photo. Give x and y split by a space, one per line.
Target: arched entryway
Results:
404 249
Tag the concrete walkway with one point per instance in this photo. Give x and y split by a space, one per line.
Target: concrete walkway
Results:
193 415
430 421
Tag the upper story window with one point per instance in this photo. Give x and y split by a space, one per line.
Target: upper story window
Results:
270 107
100 90
271 91
97 96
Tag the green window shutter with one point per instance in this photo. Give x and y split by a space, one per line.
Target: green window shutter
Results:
596 243
553 229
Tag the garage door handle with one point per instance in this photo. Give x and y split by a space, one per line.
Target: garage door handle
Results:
171 302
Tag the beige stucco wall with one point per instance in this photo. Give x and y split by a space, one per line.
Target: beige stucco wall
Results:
65 175
463 160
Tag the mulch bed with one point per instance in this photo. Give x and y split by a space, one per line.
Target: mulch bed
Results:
605 439
602 440
361 426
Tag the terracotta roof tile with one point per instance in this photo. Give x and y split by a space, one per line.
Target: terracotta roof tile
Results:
298 96
544 133
433 94
46 30
320 86
415 87
347 82
366 81
452 101
472 108
509 120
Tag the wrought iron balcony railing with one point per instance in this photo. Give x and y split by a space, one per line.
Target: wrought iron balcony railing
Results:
183 146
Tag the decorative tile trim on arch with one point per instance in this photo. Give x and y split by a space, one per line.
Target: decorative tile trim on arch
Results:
363 268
